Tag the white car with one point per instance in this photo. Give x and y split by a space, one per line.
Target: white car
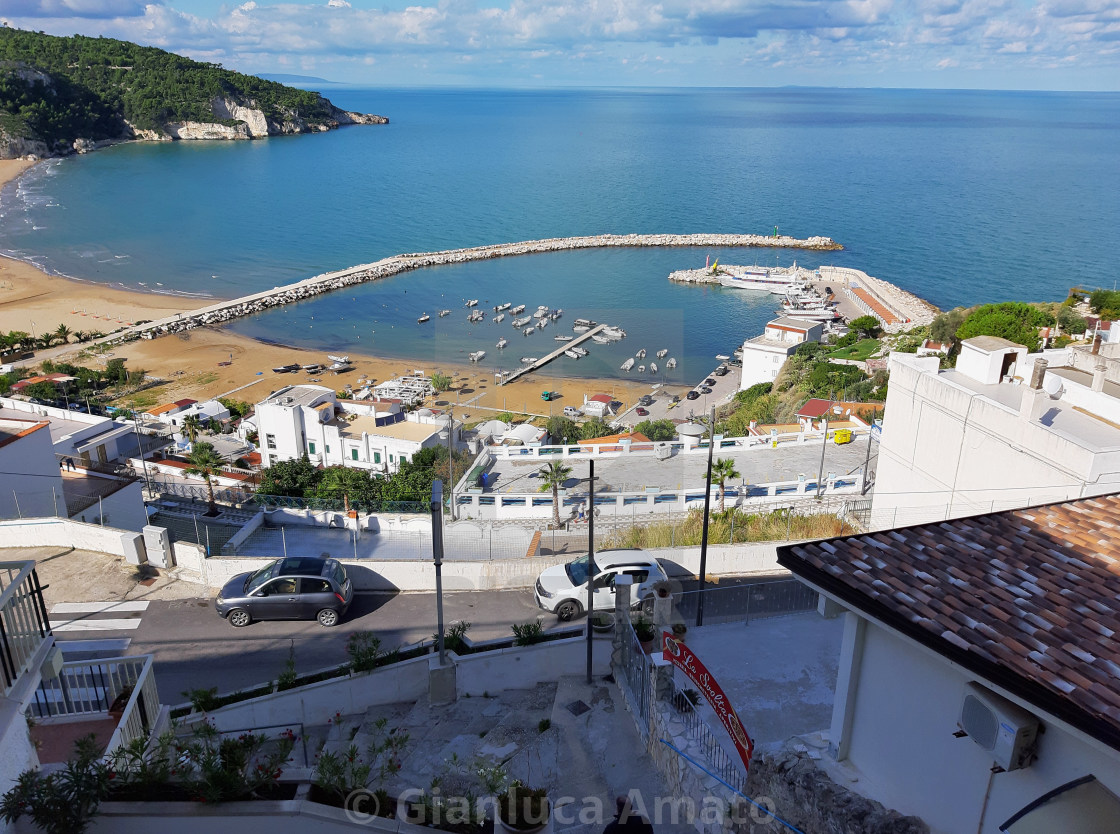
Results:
563 589
572 411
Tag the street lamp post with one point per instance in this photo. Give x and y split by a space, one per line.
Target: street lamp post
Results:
824 446
437 557
867 460
140 448
451 458
698 431
590 561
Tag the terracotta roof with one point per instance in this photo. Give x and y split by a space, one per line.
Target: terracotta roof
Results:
814 408
1027 599
601 398
161 409
185 403
636 437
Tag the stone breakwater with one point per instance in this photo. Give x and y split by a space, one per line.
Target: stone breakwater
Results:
308 288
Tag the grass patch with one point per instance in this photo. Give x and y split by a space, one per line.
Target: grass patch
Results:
206 378
732 526
861 351
139 402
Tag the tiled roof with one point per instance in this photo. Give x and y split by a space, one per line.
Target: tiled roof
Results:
1028 599
601 398
814 408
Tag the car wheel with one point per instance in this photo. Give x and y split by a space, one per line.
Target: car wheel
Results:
328 617
239 618
568 609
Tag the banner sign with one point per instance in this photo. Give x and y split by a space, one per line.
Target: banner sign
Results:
685 659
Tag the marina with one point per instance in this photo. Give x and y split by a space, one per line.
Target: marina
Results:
567 349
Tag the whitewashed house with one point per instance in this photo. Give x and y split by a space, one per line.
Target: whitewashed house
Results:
977 684
763 356
599 405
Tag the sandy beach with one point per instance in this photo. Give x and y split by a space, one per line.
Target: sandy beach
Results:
210 362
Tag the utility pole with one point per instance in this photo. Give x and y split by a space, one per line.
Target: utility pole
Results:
867 460
451 457
824 446
436 507
591 562
707 506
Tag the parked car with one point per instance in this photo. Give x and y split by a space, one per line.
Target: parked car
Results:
704 389
572 411
642 412
693 395
710 381
722 371
293 588
562 589
646 399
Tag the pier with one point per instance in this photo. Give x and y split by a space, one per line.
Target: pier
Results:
222 311
540 363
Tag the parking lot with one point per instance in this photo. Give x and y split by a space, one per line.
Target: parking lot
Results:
663 408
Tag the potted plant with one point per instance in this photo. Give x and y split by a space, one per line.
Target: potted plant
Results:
522 810
646 631
602 621
679 631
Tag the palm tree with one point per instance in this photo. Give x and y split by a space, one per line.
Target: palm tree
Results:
205 461
63 333
192 426
553 476
723 470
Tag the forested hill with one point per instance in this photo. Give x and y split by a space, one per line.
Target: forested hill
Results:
58 95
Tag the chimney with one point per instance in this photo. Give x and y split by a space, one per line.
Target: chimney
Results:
1034 398
1099 371
1096 344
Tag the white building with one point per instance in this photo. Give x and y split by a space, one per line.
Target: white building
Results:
205 412
310 420
985 435
763 356
600 405
85 437
977 684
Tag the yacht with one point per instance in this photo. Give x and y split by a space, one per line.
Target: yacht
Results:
628 364
502 343
754 278
477 356
423 319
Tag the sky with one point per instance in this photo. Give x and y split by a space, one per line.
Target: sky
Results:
975 44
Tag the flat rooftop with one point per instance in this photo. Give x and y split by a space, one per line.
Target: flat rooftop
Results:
636 472
60 427
404 430
299 395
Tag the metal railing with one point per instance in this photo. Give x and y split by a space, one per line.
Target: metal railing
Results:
728 767
746 602
24 625
93 688
636 678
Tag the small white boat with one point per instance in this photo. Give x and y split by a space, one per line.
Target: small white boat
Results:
661 354
581 328
556 314
476 356
522 322
542 312
672 363
614 333
721 357
584 322
423 319
580 351
518 310
641 369
473 302
563 338
502 342
340 367
502 307
542 324
528 360
571 354
628 364
653 367
601 339
529 331
443 313
499 317
641 354
345 360
476 316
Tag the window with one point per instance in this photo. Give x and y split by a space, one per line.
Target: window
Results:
390 458
353 454
311 448
270 441
328 448
314 586
377 457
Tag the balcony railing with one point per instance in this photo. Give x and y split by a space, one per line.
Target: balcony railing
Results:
24 626
93 689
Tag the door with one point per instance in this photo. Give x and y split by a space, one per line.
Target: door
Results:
277 600
604 590
314 596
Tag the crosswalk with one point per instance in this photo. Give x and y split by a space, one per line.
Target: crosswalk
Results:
84 617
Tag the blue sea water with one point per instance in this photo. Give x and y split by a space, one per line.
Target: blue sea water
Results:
959 196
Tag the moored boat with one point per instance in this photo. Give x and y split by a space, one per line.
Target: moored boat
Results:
472 302
571 354
528 331
563 338
661 354
477 356
499 317
672 363
286 369
443 313
628 364
641 354
653 367
518 310
502 342
423 319
528 360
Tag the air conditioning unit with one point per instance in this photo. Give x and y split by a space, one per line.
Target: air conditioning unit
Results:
1003 729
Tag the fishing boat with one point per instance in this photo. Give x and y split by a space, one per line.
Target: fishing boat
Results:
661 354
443 313
502 343
518 310
313 369
641 354
340 367
653 367
528 360
628 364
423 319
528 331
499 317
343 359
571 354
472 302
477 356
672 363
563 338
286 369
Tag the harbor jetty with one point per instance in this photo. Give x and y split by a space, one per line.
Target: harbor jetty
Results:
224 311
544 360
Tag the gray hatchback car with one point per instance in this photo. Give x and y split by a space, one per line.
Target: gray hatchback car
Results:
294 588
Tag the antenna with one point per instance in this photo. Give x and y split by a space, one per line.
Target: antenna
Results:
1052 385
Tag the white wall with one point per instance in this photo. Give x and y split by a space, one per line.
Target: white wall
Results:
762 364
32 472
906 710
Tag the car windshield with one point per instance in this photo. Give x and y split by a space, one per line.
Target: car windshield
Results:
577 571
259 577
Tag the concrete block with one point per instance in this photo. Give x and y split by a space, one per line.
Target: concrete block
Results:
441 682
135 552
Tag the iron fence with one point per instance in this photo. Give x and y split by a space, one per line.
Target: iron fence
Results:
636 678
684 704
742 603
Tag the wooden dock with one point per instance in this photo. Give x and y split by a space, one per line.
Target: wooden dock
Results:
540 363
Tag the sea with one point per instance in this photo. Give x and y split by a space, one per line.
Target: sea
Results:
960 197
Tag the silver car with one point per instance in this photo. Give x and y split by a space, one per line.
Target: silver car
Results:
293 588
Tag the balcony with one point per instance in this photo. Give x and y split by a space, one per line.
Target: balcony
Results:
115 699
25 632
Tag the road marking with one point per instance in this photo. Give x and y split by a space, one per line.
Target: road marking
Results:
119 645
98 607
95 625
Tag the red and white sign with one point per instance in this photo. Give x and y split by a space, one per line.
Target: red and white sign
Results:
686 660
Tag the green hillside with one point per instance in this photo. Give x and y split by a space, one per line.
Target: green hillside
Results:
59 89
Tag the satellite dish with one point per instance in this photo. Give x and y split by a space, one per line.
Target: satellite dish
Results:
1052 385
